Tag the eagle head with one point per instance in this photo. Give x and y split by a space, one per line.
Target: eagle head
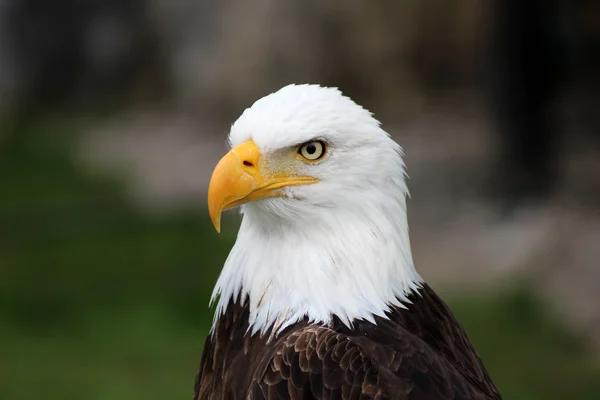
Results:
322 190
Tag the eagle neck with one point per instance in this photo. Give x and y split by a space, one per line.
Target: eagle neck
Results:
344 265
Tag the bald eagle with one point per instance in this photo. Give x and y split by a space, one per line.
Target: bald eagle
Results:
319 297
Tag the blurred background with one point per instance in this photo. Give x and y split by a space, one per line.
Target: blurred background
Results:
113 114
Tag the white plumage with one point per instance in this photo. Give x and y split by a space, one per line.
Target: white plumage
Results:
337 247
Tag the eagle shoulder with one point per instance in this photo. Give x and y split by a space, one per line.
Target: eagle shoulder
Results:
321 363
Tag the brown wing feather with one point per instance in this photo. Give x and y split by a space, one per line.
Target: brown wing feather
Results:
417 353
335 365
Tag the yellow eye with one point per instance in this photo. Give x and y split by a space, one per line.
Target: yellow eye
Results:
312 151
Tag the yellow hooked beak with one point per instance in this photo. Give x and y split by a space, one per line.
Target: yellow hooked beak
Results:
240 177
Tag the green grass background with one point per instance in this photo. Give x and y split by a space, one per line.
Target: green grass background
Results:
101 301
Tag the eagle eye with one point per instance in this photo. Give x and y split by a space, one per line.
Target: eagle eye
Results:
313 150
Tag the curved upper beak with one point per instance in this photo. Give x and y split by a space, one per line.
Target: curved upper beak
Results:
241 178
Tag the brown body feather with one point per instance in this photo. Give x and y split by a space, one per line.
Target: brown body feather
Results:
417 353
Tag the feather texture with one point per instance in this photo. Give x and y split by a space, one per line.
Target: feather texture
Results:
416 353
319 297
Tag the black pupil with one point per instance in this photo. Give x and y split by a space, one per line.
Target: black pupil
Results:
311 149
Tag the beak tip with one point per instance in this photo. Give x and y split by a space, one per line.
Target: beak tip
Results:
216 221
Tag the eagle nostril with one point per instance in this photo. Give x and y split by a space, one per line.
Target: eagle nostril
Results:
248 164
